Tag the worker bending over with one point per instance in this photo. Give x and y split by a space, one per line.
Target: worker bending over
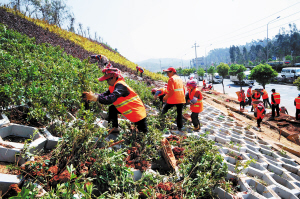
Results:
160 93
283 110
140 69
125 101
175 95
255 97
102 60
194 97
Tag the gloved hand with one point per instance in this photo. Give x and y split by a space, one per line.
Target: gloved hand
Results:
194 100
89 96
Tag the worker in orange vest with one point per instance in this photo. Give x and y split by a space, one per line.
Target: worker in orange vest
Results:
102 60
160 93
275 101
249 94
140 69
194 97
204 84
125 101
255 97
259 114
175 95
297 104
265 98
242 100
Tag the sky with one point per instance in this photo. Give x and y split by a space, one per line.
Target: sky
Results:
145 29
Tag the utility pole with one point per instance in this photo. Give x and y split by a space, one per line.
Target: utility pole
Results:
268 37
195 46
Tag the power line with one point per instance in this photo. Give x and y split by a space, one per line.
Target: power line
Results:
211 41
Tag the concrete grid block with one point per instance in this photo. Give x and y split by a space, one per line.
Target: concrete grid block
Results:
3 119
7 179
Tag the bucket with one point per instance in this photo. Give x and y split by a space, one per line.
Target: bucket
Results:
255 103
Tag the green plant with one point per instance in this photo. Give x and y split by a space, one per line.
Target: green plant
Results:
240 166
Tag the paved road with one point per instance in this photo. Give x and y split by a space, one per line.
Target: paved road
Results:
287 93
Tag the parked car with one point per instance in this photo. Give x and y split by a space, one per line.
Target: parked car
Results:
290 72
245 81
216 78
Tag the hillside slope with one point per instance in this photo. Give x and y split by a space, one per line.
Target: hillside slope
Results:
42 35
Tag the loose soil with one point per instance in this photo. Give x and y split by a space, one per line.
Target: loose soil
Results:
19 116
13 138
5 170
269 135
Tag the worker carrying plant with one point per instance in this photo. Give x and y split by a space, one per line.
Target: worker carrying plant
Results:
194 97
275 101
123 98
102 60
259 114
160 93
297 104
175 95
140 69
242 99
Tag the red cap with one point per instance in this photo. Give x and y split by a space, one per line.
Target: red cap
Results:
110 72
170 69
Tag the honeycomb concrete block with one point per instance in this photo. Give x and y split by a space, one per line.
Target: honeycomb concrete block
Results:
261 142
7 179
284 193
221 140
250 134
207 129
251 145
52 141
101 123
223 194
237 131
281 182
258 167
3 120
269 153
259 188
273 162
9 154
281 154
295 176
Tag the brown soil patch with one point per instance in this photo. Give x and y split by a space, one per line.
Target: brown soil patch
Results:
5 170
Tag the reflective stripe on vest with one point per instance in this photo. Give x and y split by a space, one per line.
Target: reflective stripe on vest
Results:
260 113
198 106
163 91
130 106
265 95
178 96
276 97
297 100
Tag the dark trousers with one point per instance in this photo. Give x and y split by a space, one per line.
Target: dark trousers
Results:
266 102
273 110
179 113
161 99
113 118
195 119
258 122
297 113
249 100
242 104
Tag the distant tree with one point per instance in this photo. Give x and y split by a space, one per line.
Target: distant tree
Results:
200 72
288 57
211 71
232 54
238 70
223 70
250 63
179 71
263 73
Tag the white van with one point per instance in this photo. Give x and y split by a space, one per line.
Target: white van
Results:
216 79
290 72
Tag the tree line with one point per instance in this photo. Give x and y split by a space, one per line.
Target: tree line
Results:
55 12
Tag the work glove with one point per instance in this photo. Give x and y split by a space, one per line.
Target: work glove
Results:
194 100
89 96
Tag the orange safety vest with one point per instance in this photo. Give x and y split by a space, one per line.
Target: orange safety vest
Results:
175 84
198 106
276 98
297 100
249 92
260 113
141 70
265 94
204 83
256 96
163 91
131 106
241 97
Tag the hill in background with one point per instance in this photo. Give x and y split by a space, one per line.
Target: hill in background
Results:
156 65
